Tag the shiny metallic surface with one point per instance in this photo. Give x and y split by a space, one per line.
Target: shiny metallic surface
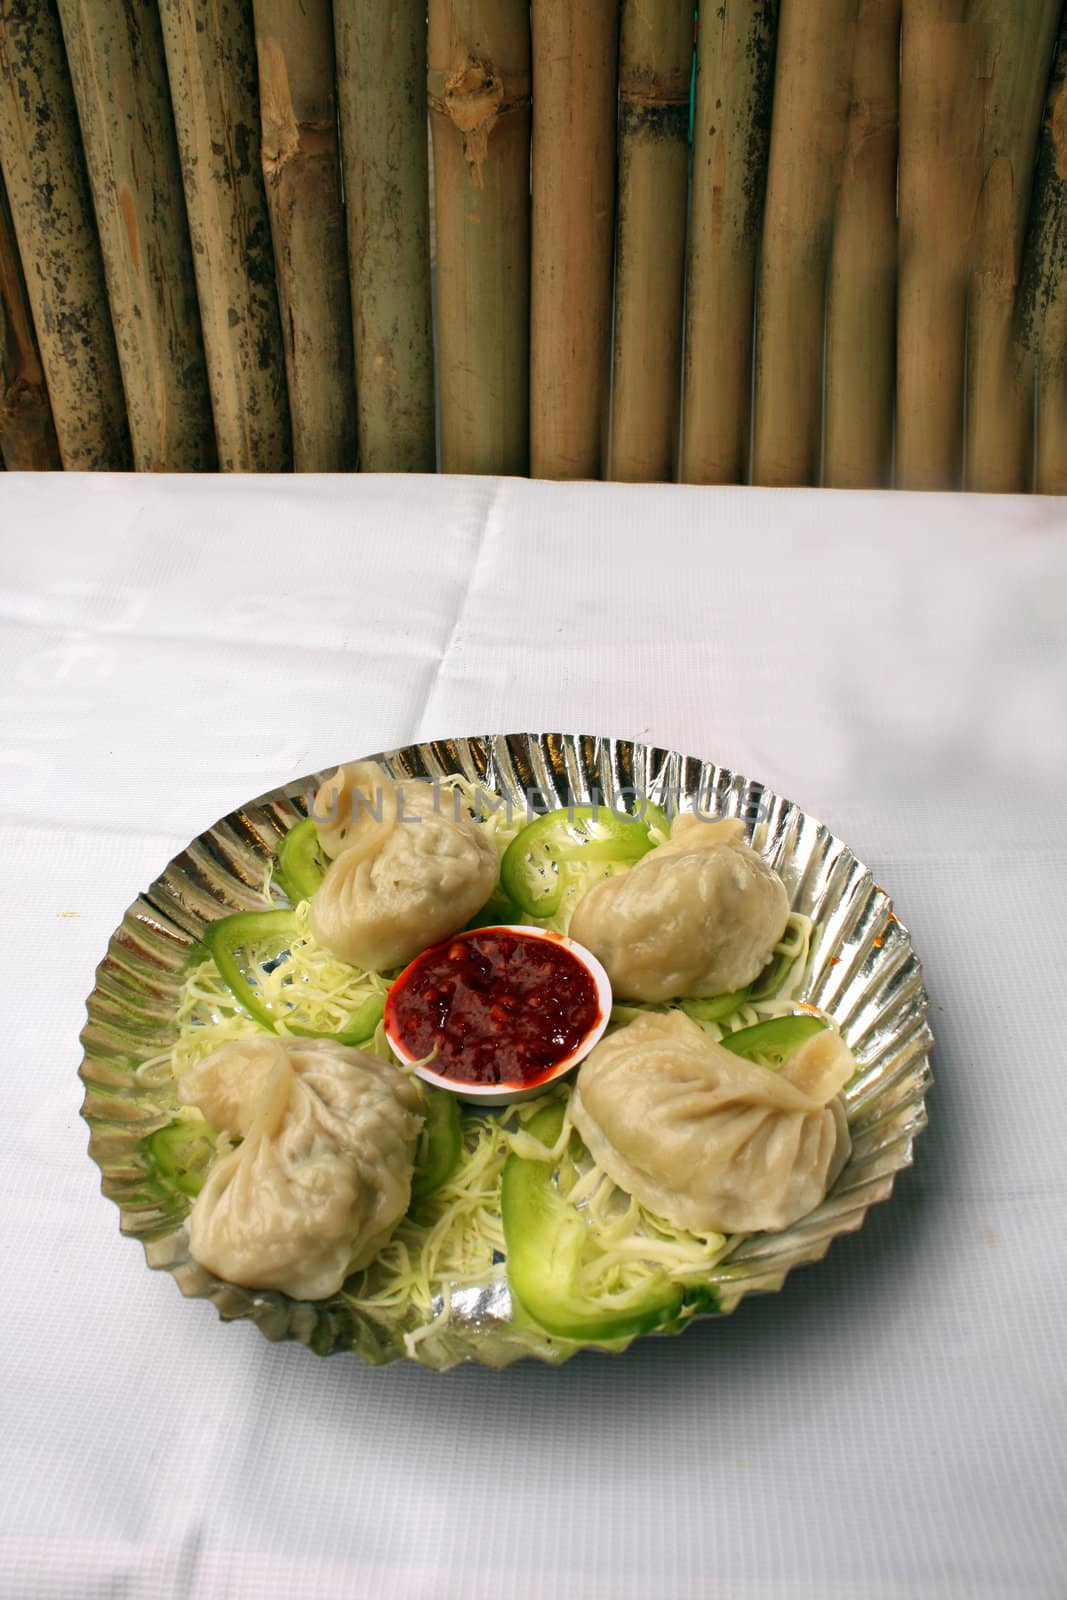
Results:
862 970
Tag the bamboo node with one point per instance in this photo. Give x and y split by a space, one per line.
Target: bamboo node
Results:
474 99
311 141
871 119
285 138
648 85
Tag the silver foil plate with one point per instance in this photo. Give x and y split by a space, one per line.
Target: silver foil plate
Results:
861 969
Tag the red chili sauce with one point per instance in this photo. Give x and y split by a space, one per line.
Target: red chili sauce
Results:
501 1007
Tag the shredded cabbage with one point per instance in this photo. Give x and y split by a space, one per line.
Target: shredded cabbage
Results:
453 1239
628 1244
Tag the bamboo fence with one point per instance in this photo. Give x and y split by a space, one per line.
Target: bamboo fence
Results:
302 178
41 154
861 292
211 63
940 143
575 61
120 82
1043 308
812 91
479 93
28 440
784 242
734 87
655 71
1016 57
381 53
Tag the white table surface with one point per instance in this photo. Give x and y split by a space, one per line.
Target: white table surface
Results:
892 1424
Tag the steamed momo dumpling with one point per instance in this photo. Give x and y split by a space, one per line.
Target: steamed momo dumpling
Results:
408 868
711 1142
323 1173
351 810
697 916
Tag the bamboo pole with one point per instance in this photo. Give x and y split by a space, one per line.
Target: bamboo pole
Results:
1043 296
861 299
731 139
211 63
381 60
940 136
479 93
813 84
655 73
120 82
27 437
41 155
1017 46
575 62
302 179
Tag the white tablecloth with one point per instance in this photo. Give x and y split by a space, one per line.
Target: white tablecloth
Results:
892 1424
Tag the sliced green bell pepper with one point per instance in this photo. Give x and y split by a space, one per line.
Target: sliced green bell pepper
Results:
773 1041
720 1005
654 817
538 862
437 1152
177 1156
622 1014
231 934
545 1236
223 939
300 863
360 1027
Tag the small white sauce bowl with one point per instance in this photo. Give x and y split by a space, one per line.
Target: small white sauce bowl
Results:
503 1094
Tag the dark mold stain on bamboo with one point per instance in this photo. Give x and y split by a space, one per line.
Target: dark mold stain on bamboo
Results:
654 120
55 229
1044 280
